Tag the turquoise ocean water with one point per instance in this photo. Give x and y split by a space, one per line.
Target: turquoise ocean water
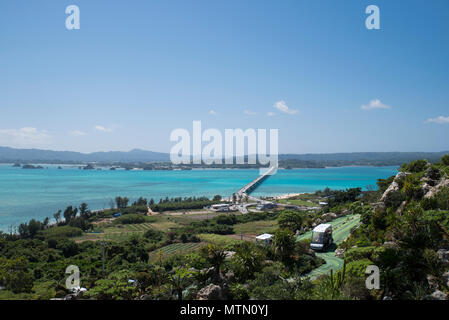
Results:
27 194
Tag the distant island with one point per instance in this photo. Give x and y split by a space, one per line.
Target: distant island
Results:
30 166
150 160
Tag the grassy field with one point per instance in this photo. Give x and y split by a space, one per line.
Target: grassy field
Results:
299 202
175 248
114 231
217 239
256 227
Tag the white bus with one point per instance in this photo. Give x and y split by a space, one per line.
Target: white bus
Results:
321 237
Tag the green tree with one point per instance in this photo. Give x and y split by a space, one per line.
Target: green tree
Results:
284 244
57 216
70 213
179 279
121 202
247 260
14 275
291 220
84 211
215 256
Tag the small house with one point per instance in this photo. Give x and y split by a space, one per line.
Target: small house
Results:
265 238
266 205
222 207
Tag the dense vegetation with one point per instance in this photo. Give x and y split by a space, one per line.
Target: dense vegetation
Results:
403 229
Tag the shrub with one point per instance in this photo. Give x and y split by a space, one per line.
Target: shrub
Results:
445 159
226 219
394 199
372 253
442 199
130 219
238 291
429 203
414 166
433 173
61 232
357 268
154 235
412 188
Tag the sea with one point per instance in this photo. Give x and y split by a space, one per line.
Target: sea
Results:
38 193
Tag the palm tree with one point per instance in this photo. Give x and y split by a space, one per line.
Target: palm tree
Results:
179 280
216 257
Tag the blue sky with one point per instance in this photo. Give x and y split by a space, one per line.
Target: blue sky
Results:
136 70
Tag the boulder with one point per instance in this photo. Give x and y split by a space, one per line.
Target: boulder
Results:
390 244
210 292
438 295
443 255
446 278
229 276
339 253
229 254
432 281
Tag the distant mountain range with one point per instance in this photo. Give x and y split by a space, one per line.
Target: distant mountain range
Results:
8 154
35 155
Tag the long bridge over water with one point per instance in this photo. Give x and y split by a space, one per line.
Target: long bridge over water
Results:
247 189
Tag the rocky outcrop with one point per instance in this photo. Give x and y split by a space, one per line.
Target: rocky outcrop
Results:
394 186
328 216
210 292
430 190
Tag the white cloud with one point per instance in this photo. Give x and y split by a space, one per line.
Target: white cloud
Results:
77 133
270 114
375 104
102 129
282 106
212 112
250 113
24 137
440 119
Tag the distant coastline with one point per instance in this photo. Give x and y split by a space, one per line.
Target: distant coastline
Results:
149 160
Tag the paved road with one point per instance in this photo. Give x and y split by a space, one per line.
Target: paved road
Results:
341 228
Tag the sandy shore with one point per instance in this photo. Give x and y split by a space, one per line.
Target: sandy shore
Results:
287 195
